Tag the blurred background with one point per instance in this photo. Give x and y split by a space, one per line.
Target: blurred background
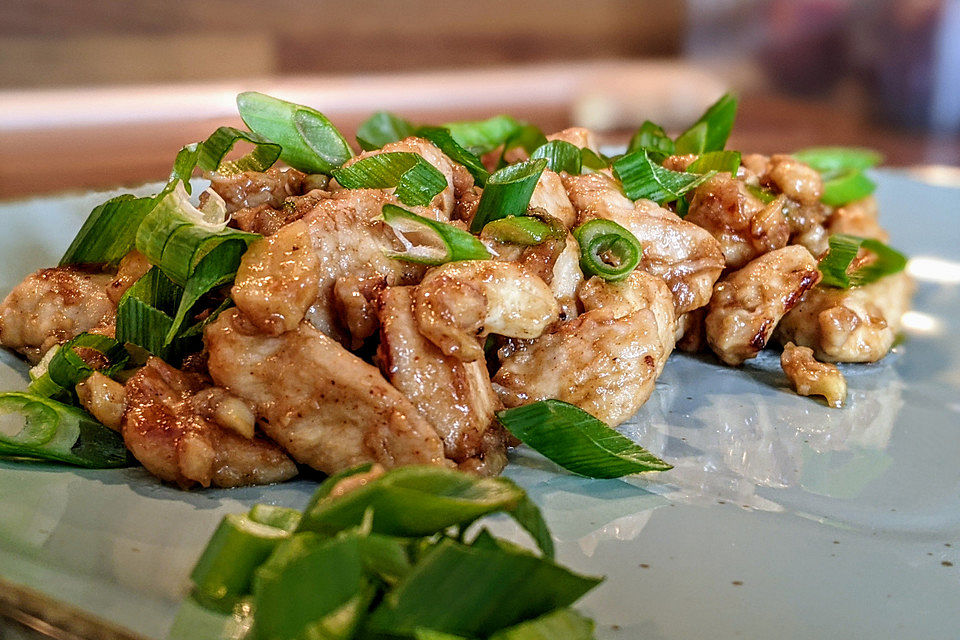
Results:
99 93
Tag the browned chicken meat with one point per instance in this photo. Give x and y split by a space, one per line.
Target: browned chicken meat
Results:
812 378
166 429
253 189
606 360
849 325
325 406
859 219
747 304
684 255
456 397
52 306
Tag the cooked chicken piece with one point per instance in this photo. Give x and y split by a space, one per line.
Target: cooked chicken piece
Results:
606 360
849 325
551 196
747 304
577 136
684 255
459 303
267 220
812 378
690 331
797 180
104 398
680 163
294 273
165 432
456 397
744 226
51 306
132 267
859 219
254 188
441 208
325 406
228 411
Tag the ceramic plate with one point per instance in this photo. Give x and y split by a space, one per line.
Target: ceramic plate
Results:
782 518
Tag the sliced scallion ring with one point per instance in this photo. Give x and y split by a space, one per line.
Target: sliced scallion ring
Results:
430 242
693 140
482 136
763 195
593 160
844 248
577 441
109 232
711 130
213 150
643 178
846 187
67 368
522 230
717 161
445 141
381 129
416 180
653 138
835 159
607 249
560 156
508 192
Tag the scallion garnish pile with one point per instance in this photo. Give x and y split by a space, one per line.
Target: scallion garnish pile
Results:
393 556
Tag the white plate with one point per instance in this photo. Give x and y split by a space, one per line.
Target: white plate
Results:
782 519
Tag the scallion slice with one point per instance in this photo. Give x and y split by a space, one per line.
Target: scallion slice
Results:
429 241
562 623
381 129
844 248
607 249
560 156
716 161
711 130
213 150
445 141
309 140
653 138
643 178
522 230
762 194
416 180
577 441
836 159
109 232
508 192
55 431
67 368
483 136
145 312
593 160
845 187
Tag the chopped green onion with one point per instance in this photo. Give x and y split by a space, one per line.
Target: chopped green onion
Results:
693 140
381 129
431 242
421 500
475 591
508 192
309 140
607 249
55 431
67 369
430 634
416 180
281 517
846 187
593 160
653 138
43 385
183 166
482 136
448 145
843 251
176 236
215 148
560 156
836 159
522 230
145 312
577 441
527 137
763 195
711 131
109 232
224 572
562 623
716 161
643 178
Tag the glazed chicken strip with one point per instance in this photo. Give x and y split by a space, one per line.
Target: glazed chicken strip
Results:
294 273
684 255
747 304
52 306
859 219
325 406
459 303
454 396
744 226
165 429
551 196
132 267
849 325
812 378
605 361
253 188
